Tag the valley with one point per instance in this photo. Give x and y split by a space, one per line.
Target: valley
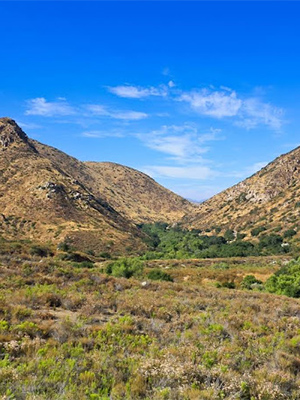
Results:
113 287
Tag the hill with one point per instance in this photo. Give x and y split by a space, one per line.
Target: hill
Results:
268 202
136 195
49 196
41 200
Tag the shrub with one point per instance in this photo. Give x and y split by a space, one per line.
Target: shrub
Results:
240 236
159 275
249 281
229 235
40 251
63 246
76 257
258 230
286 280
271 244
221 265
289 233
125 267
104 254
228 285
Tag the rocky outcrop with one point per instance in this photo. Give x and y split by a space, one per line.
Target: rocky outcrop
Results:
11 133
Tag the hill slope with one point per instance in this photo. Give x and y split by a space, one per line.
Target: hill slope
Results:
40 199
131 193
135 195
269 199
46 194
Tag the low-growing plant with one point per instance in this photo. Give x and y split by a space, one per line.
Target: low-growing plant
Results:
125 267
159 275
249 281
40 251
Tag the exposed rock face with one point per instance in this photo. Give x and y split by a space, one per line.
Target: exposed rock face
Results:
11 133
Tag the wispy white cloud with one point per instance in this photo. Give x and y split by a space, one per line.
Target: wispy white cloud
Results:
100 110
185 145
40 106
247 112
28 125
256 113
216 104
138 92
197 172
102 134
182 143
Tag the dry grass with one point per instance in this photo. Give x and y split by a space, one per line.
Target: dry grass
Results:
72 333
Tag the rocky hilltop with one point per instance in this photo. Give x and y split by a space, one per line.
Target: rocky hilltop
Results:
268 200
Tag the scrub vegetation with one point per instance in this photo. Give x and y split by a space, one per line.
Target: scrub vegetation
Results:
81 327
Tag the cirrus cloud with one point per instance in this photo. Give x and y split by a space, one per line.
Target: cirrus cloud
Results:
183 143
101 110
248 112
216 104
197 172
40 106
138 92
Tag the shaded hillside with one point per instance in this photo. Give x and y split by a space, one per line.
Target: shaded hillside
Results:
268 201
41 199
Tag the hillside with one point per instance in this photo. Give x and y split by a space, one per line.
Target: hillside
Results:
269 200
135 195
131 193
41 200
49 195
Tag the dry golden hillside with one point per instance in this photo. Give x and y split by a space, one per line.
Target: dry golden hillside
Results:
131 193
135 195
269 199
40 199
48 195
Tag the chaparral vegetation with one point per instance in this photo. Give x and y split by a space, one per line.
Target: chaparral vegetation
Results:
76 326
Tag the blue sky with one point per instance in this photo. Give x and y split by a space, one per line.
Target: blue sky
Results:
199 95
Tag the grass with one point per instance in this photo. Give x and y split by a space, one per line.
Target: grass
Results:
79 333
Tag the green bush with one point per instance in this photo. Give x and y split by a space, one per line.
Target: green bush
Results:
226 284
289 233
258 230
159 275
286 280
229 235
40 251
125 268
249 281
